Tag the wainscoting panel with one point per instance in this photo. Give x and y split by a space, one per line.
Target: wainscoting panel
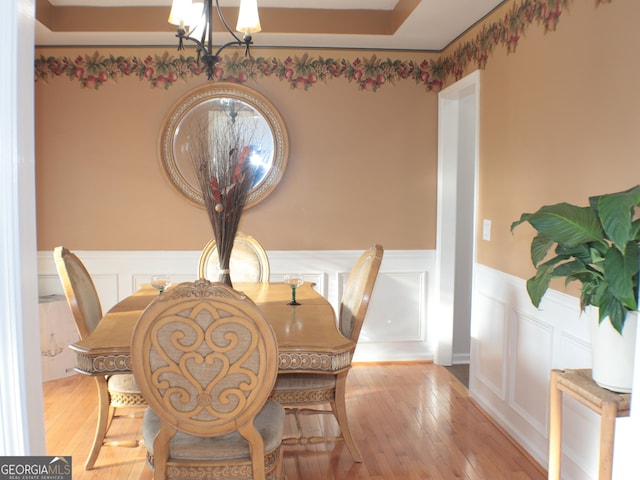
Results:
537 340
575 352
489 337
532 344
396 327
393 320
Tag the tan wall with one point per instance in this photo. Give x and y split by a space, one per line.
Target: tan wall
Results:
559 121
362 165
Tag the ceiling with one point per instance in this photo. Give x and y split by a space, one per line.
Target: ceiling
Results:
427 25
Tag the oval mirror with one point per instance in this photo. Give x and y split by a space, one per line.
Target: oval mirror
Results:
197 117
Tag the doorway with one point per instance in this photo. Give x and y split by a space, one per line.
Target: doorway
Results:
458 119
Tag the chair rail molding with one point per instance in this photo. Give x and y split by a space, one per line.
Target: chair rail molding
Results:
397 326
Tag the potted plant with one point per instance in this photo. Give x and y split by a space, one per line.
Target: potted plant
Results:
597 246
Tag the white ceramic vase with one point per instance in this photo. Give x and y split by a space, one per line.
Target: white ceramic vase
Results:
613 354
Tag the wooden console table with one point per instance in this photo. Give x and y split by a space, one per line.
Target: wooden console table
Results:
609 405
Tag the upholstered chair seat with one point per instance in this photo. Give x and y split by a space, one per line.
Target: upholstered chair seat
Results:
298 389
124 391
233 446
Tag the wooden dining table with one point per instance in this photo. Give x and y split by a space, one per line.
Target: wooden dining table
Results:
307 334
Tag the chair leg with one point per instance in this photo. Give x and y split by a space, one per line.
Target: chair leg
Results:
112 413
103 421
340 411
117 443
279 473
296 439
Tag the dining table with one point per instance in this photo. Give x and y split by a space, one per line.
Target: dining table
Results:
307 334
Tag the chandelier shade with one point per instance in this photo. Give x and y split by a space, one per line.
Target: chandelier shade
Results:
180 11
248 19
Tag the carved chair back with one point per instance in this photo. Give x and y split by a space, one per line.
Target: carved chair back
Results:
206 360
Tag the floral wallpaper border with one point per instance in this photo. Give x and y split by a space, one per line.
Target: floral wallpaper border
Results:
369 74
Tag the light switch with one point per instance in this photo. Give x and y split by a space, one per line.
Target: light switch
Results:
486 229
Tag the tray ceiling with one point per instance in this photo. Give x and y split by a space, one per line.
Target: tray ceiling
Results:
379 24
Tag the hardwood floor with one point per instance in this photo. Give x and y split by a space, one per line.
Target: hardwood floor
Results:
411 422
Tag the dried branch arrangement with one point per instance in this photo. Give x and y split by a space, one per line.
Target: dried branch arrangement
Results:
220 156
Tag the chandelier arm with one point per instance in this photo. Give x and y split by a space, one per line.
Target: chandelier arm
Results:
224 22
238 43
199 44
208 30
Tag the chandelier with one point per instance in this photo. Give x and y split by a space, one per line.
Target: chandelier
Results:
195 22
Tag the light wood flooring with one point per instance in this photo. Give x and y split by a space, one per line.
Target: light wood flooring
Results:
411 422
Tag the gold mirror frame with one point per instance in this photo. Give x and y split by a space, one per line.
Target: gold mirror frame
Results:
179 169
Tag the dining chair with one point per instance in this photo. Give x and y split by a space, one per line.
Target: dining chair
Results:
303 393
114 391
248 263
206 359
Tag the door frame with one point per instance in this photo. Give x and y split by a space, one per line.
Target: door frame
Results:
458 152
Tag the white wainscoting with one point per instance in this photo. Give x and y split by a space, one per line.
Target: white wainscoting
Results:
396 327
513 348
513 344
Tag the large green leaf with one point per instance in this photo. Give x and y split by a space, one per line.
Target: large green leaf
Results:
616 212
575 267
540 246
586 277
522 219
612 307
539 283
565 224
619 273
593 293
581 252
635 230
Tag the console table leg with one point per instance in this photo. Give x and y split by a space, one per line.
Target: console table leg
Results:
607 431
555 426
